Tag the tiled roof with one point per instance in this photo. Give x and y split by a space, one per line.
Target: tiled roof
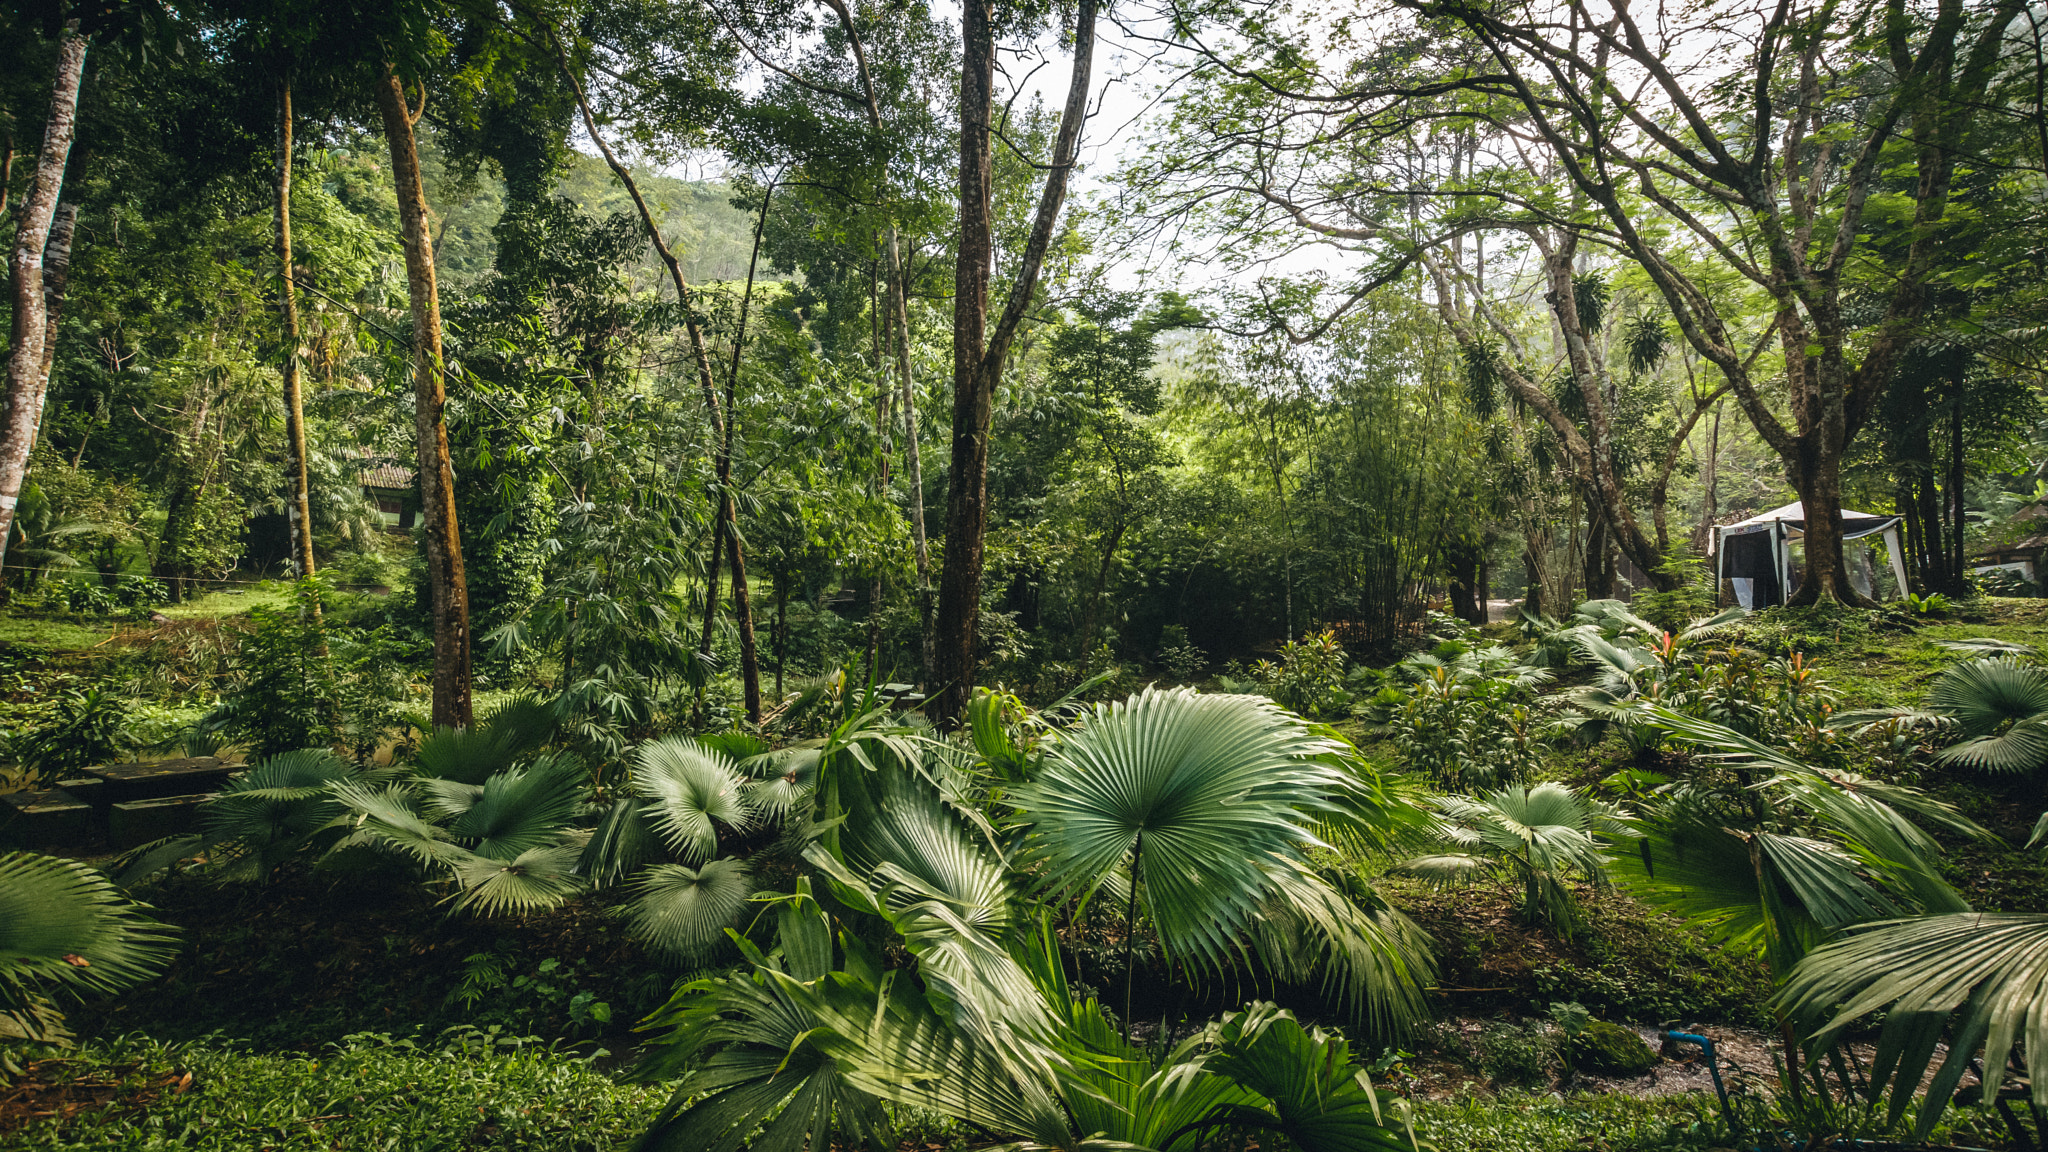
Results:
386 476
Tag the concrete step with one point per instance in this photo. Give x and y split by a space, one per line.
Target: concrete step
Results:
133 822
52 818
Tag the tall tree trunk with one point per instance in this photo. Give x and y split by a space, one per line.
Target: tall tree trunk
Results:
979 352
1710 490
1468 602
973 399
430 399
742 603
1110 541
25 374
743 612
1959 525
168 567
300 484
913 467
1599 569
899 309
781 630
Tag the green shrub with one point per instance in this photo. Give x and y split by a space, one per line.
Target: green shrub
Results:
1610 1050
1467 716
465 1089
308 683
1516 1055
87 728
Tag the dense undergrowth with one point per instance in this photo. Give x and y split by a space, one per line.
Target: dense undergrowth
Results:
342 1003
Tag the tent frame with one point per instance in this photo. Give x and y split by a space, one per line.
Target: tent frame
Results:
1782 535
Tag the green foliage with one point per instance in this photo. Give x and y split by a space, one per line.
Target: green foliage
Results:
1309 677
1778 855
1979 979
86 728
1606 1049
1537 839
1516 1055
64 927
1548 1123
1211 801
2000 708
367 1093
1468 717
1692 599
306 683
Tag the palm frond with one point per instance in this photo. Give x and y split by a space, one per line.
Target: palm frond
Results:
1369 959
1989 645
385 817
1317 1096
623 840
1980 979
522 809
685 911
535 880
1986 695
65 924
1213 786
2020 748
691 789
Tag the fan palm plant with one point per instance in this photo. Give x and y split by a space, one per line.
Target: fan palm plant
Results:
508 843
1210 806
1537 838
815 1035
2000 707
64 926
1780 855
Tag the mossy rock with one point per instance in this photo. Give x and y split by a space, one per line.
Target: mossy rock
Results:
1610 1050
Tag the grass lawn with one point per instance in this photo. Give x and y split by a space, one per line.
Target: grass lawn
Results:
53 635
229 601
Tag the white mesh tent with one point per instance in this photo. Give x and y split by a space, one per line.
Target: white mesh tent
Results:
1755 555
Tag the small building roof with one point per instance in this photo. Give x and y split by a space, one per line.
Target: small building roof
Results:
385 476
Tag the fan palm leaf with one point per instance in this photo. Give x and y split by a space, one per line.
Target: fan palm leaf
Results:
623 840
1316 1095
493 744
1203 789
1774 895
783 781
65 925
1539 836
906 856
275 808
386 818
2001 706
685 911
523 809
1369 959
1979 978
1870 816
691 790
535 880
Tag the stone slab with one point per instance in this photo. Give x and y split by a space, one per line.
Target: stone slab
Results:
47 819
154 779
134 822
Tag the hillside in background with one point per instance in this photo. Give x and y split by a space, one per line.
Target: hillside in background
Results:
709 236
